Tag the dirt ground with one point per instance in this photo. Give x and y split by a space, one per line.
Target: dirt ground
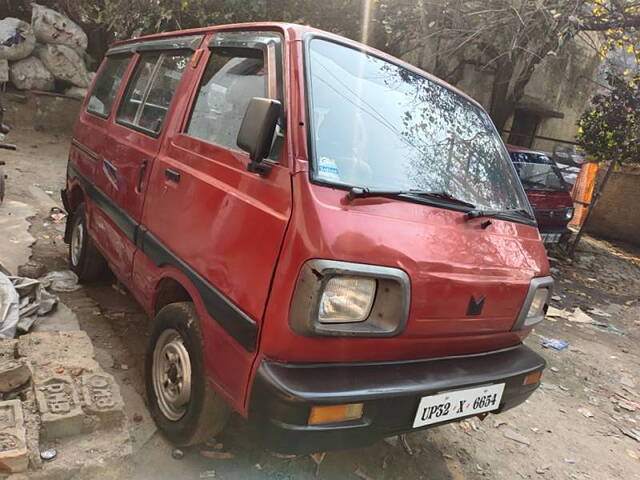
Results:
573 427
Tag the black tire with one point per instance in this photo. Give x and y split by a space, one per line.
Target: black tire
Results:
206 413
88 263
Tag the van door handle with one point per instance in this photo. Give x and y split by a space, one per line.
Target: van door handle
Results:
143 168
172 175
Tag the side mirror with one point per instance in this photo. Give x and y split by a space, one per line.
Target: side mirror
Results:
257 129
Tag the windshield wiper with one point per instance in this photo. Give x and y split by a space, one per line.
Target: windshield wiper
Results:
497 213
363 192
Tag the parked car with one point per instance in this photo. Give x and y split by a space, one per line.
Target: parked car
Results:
547 191
330 242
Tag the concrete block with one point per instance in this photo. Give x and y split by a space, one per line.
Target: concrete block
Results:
102 399
14 456
59 405
13 373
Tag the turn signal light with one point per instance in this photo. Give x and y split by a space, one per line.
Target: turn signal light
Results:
335 413
532 378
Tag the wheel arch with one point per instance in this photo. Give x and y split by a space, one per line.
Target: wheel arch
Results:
169 290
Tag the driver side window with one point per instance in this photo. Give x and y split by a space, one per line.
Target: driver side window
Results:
228 84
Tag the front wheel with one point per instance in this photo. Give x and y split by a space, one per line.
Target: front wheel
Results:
183 405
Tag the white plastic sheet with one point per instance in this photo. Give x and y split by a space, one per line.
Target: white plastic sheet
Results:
64 63
17 40
50 26
31 74
22 301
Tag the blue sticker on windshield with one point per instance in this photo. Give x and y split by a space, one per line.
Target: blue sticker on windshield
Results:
328 170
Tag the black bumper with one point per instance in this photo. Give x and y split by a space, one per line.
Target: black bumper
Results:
283 395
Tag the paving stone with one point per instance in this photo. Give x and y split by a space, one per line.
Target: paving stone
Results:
59 405
14 456
13 373
102 399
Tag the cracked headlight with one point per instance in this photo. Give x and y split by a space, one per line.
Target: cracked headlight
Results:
349 299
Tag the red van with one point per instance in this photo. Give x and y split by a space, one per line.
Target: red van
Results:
547 191
329 241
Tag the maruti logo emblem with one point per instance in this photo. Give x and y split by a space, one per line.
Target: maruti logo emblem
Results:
475 306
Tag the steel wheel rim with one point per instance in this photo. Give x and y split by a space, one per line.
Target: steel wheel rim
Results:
171 372
76 243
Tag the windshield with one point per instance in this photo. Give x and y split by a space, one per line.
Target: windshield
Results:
379 125
538 172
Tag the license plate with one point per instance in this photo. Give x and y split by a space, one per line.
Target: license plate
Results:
550 237
458 403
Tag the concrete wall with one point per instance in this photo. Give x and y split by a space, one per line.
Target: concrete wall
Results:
617 214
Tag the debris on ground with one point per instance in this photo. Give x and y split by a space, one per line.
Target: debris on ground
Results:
61 281
32 269
22 301
48 454
360 473
217 455
585 412
177 454
630 432
57 215
554 343
515 436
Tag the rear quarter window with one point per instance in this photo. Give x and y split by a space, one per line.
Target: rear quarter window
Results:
107 85
150 91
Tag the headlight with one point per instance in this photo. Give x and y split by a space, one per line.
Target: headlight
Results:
349 299
568 215
535 304
538 303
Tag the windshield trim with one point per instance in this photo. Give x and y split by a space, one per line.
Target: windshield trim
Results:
309 129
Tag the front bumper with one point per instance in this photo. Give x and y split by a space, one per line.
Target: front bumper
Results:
283 395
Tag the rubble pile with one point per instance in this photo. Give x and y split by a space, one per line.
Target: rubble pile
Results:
60 414
46 55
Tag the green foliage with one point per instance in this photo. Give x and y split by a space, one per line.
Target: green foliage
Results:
611 129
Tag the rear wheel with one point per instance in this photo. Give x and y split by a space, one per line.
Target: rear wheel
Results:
183 405
84 258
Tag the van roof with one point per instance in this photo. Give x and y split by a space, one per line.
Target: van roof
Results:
296 32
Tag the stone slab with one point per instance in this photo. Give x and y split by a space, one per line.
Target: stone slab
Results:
102 399
48 351
59 406
13 374
14 456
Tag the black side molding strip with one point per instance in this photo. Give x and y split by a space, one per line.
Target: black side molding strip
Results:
90 153
235 322
107 205
229 316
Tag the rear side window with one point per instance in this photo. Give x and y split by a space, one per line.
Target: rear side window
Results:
107 84
149 93
227 86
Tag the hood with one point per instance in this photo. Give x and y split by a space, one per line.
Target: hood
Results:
452 263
